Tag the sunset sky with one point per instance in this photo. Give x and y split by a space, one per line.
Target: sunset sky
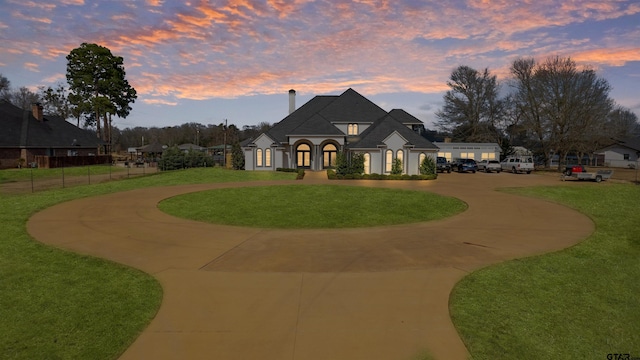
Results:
206 61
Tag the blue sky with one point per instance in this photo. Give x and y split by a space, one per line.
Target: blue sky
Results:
206 61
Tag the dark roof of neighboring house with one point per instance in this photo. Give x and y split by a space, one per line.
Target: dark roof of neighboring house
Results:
21 130
381 129
191 147
152 148
631 142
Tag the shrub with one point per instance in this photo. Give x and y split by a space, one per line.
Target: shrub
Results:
172 159
428 166
300 175
237 157
396 167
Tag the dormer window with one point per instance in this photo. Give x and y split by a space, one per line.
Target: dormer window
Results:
352 129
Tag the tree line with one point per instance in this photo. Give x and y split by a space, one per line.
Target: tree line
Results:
551 107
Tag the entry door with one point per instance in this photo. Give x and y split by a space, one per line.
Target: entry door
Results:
303 152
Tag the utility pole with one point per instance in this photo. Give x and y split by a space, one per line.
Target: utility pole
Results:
224 146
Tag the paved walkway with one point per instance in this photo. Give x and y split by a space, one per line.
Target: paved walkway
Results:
375 293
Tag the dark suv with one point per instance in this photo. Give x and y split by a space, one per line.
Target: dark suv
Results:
442 164
462 165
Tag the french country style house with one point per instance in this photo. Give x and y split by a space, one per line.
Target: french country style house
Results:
311 136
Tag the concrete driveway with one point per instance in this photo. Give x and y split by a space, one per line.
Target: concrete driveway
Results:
374 293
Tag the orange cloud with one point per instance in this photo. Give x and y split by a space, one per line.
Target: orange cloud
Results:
611 57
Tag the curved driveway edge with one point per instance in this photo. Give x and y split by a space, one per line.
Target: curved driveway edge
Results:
374 293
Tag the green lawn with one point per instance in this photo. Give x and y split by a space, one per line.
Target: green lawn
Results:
579 303
26 174
58 305
311 206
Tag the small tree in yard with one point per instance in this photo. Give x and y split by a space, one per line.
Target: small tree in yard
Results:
357 164
172 159
237 157
427 166
396 167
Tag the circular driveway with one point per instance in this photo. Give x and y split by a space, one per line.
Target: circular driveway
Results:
372 293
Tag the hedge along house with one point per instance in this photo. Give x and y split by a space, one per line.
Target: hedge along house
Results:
311 136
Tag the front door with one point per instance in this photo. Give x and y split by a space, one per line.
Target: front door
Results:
303 153
329 153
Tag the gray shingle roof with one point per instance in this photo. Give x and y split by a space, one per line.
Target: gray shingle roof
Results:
374 135
21 129
319 116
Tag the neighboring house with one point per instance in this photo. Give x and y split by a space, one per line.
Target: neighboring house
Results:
476 151
186 147
623 153
311 136
26 134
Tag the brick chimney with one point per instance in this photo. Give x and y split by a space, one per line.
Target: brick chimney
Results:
292 101
36 109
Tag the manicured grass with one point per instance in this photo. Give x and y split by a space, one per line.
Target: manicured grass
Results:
59 305
26 174
579 303
311 206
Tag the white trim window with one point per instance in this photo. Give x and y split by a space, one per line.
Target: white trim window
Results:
367 163
259 157
388 161
267 157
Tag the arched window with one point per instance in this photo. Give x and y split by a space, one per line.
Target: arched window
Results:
367 163
329 153
352 129
267 157
259 157
303 153
420 160
388 163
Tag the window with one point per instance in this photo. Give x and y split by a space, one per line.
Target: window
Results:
420 160
467 155
626 156
329 153
388 161
367 163
267 157
446 155
400 156
259 157
488 156
352 129
303 152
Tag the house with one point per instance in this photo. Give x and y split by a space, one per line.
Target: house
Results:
476 151
623 153
311 136
31 137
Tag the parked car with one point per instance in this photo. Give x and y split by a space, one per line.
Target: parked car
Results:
442 165
464 165
489 166
518 164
